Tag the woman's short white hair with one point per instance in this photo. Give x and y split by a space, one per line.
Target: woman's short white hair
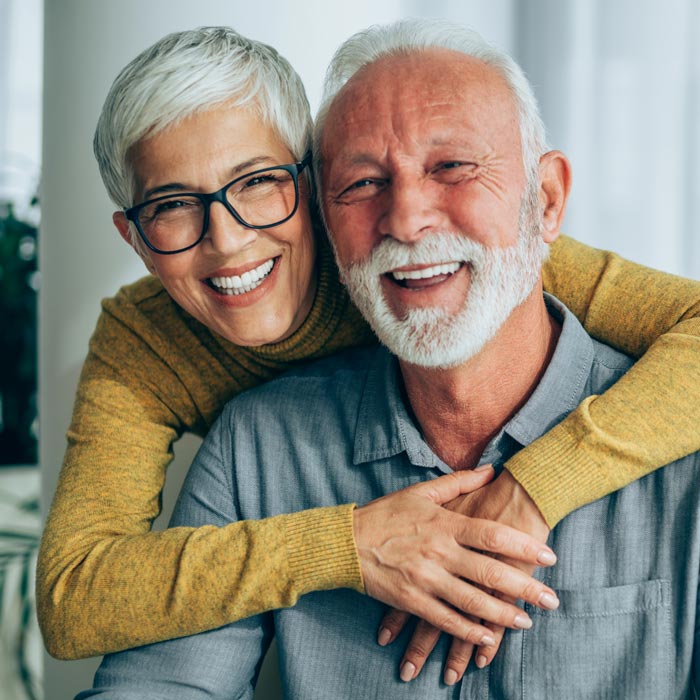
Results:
192 71
412 35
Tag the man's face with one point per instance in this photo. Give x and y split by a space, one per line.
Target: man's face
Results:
424 195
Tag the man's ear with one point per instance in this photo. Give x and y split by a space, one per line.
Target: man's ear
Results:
555 183
121 223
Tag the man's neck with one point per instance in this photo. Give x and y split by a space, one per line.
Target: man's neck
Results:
461 409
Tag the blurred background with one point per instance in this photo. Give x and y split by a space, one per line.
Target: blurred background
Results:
619 86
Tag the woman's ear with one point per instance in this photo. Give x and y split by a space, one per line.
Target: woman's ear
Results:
555 183
121 223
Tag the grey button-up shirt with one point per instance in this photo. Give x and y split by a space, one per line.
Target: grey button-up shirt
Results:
339 431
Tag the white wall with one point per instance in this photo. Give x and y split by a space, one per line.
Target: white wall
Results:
82 257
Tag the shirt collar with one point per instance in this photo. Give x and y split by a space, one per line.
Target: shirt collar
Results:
385 427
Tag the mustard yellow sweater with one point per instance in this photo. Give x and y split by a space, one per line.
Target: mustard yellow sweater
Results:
105 582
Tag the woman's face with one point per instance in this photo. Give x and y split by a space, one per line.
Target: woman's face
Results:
202 154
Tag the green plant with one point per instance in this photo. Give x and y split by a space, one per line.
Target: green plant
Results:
19 283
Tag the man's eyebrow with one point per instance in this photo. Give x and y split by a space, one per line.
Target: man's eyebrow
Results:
234 172
356 159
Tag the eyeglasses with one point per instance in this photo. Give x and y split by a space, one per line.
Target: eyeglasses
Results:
259 199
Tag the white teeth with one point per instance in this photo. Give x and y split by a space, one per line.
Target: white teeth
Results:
244 283
443 269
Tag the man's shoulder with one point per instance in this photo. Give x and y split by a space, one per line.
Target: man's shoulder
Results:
607 367
326 382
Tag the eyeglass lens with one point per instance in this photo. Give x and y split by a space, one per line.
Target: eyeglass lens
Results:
263 199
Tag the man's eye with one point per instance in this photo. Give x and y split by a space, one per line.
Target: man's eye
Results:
361 189
454 171
455 165
360 184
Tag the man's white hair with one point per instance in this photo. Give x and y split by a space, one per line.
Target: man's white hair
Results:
415 35
192 71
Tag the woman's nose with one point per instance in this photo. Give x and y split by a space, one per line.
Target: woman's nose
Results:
225 234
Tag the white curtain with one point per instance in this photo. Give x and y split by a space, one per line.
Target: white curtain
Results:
619 86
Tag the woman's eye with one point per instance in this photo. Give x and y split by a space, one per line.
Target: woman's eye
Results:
171 204
259 180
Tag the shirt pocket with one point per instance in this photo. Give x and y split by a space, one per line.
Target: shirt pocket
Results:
603 643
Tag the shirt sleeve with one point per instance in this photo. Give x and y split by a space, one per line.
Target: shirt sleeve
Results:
221 664
104 581
646 420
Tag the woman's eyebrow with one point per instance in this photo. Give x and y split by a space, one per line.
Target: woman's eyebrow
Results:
240 168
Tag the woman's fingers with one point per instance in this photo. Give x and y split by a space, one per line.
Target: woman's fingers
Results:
412 557
506 541
450 486
503 578
445 618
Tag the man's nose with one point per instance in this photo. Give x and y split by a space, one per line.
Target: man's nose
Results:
225 235
411 210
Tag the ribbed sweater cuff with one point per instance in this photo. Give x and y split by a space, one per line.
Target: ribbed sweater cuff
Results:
561 475
322 551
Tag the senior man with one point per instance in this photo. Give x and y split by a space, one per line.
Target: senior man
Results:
440 201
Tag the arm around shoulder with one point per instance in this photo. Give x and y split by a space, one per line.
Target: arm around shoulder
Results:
104 581
649 417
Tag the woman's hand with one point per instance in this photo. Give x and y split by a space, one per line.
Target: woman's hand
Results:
427 560
503 501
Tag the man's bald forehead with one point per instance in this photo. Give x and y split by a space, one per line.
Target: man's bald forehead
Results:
446 74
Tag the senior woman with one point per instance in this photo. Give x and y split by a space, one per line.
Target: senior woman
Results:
203 145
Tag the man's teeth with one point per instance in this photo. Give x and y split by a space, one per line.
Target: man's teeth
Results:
426 272
247 282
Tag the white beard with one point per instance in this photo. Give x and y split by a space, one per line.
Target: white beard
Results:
501 279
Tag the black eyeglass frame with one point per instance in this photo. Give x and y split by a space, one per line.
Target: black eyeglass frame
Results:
294 169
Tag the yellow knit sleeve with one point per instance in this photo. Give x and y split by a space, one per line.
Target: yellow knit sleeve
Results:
104 581
646 420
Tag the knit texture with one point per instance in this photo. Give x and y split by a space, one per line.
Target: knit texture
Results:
105 582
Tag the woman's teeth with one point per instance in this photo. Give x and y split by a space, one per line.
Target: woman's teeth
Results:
247 282
426 272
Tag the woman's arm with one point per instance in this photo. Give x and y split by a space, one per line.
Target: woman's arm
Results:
646 420
105 582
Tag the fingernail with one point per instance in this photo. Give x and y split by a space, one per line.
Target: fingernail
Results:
450 676
547 557
522 621
407 672
487 641
483 468
549 601
480 661
384 636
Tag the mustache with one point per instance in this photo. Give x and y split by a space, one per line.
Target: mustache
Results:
440 247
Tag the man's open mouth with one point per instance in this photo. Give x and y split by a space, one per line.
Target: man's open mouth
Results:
425 276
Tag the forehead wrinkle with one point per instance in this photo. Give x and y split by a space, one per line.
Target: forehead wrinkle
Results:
377 94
